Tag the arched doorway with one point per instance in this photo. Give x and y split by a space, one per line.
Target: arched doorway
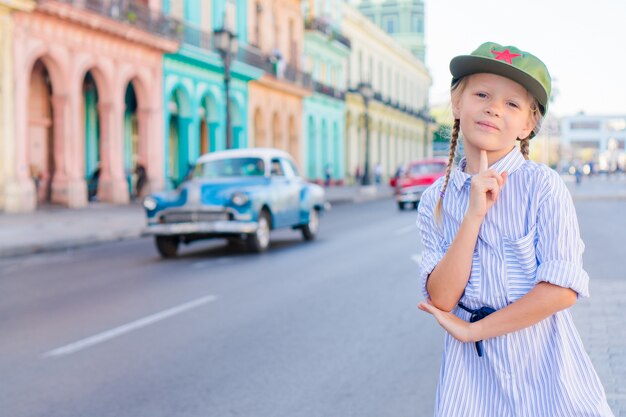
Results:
177 146
259 131
236 121
92 135
277 133
292 146
312 148
336 152
326 154
132 162
41 160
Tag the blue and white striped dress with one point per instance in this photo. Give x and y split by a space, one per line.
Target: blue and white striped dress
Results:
530 235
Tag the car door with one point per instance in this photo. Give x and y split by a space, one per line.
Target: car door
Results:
294 189
279 193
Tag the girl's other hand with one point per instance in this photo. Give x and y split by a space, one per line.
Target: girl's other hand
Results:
486 187
459 329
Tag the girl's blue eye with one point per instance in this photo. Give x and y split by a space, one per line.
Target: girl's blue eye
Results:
512 104
481 95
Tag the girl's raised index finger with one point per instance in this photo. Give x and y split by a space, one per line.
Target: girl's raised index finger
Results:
484 162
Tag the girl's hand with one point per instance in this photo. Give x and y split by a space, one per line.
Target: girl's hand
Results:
459 329
486 187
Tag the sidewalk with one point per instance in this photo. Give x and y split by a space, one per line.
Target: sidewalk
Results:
58 228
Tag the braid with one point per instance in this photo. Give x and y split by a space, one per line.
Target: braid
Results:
524 147
454 135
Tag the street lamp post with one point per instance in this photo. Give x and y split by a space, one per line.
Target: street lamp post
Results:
227 45
365 89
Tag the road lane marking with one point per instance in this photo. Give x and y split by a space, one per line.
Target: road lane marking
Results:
406 229
134 325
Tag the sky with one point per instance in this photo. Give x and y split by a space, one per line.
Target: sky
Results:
583 44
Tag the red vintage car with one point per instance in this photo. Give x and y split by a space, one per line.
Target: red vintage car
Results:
418 176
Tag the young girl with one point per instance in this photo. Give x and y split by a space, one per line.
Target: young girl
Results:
502 258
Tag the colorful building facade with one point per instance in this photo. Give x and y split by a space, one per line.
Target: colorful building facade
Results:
88 100
276 31
8 185
399 127
194 99
326 53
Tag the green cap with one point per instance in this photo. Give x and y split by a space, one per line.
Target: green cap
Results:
510 62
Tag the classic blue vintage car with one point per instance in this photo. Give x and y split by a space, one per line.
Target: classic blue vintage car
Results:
238 194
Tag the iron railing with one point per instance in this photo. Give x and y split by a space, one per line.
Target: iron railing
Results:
130 12
395 104
197 37
327 90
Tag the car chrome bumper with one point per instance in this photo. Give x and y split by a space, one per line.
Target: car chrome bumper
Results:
217 227
409 197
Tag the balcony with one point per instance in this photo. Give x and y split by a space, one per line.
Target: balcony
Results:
327 90
197 37
325 28
128 12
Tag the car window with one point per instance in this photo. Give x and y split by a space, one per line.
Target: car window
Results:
294 168
277 168
231 167
421 169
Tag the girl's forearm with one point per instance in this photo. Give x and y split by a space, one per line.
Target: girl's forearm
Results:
447 281
540 303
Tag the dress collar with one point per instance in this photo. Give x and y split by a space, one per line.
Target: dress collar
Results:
510 163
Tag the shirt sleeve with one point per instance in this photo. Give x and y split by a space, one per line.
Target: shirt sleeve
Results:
559 246
431 237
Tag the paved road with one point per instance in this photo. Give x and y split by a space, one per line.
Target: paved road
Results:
328 328
322 329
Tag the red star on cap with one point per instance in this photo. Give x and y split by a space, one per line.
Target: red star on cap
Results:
505 55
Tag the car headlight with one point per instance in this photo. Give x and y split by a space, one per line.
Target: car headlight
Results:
239 199
150 203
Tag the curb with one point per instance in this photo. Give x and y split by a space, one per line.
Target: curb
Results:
66 244
126 234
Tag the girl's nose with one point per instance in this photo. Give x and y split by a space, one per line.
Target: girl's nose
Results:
492 110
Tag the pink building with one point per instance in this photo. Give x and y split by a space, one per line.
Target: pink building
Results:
88 97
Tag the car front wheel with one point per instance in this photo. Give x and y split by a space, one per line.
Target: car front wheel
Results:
259 241
309 230
167 245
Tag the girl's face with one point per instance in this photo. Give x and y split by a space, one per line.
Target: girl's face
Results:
494 112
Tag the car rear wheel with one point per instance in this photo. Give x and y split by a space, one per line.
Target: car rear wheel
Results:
309 231
259 241
167 245
401 206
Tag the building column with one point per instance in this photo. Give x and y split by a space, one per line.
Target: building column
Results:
112 186
151 152
17 189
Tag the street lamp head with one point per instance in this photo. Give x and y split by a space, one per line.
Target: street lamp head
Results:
221 37
226 42
365 89
234 43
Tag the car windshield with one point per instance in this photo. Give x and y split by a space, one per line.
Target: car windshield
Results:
421 169
231 167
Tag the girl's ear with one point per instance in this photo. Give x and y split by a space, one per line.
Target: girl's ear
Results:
528 128
456 108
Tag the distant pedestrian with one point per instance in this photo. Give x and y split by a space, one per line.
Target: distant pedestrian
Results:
357 174
92 184
502 259
142 179
377 173
328 175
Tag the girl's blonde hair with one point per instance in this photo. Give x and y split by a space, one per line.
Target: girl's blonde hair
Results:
455 94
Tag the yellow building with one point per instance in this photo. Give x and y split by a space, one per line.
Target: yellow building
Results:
397 83
276 29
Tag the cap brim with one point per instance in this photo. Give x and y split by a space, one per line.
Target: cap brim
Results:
464 65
